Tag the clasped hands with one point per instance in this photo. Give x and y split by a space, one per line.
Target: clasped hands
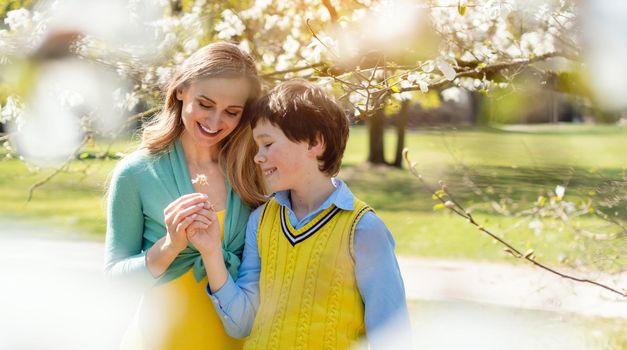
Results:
192 219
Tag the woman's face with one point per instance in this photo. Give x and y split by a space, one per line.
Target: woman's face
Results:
212 108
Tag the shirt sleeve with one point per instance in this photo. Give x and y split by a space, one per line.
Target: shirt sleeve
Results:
381 285
124 258
237 302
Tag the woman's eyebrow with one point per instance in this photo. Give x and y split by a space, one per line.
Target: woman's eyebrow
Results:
214 102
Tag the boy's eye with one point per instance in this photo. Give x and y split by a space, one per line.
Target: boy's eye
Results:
204 105
267 145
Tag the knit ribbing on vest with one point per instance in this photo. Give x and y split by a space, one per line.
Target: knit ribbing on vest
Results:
308 291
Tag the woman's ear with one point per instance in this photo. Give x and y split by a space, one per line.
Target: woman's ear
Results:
179 94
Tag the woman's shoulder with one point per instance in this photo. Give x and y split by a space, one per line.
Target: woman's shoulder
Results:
135 163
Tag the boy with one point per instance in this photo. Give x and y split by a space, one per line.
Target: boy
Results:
318 264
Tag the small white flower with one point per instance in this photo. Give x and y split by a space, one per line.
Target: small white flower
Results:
168 42
230 26
179 57
190 45
163 74
428 66
559 191
453 94
446 68
424 87
536 226
290 45
11 111
403 96
200 179
18 19
70 99
244 45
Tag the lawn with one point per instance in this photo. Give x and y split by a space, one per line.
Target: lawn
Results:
511 165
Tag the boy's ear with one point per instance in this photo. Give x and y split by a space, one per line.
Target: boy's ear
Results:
317 146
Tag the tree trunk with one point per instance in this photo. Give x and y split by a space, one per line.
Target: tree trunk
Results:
476 103
375 140
401 128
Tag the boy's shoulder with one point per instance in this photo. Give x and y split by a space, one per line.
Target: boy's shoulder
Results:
369 218
255 215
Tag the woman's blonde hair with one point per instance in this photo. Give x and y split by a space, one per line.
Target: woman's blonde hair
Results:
217 60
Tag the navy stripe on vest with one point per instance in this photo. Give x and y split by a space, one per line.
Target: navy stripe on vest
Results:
294 240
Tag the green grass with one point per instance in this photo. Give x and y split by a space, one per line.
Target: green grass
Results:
71 203
519 163
512 167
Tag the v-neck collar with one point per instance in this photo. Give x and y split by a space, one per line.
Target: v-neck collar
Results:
295 236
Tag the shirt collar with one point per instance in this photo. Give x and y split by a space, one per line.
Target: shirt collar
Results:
341 197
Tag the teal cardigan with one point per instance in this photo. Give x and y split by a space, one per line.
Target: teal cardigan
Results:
141 187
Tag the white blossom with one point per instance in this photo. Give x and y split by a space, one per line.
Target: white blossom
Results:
70 98
168 42
290 45
403 96
560 191
125 101
230 25
190 45
446 68
18 19
452 94
163 75
11 111
536 226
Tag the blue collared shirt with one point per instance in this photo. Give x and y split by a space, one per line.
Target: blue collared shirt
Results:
378 276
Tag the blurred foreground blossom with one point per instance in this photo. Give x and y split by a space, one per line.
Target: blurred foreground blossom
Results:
54 294
605 50
66 95
64 98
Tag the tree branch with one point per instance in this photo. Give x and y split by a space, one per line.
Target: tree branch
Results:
489 69
64 166
457 208
331 9
292 70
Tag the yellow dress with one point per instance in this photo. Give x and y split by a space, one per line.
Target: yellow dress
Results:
178 315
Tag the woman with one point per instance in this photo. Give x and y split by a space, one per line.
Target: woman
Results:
201 136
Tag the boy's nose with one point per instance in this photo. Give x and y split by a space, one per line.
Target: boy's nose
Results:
259 158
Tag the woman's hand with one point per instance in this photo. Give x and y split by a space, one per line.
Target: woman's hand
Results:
179 215
204 232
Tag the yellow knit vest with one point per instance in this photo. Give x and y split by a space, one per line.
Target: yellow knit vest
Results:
308 290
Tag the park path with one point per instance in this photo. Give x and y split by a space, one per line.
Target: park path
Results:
56 287
515 286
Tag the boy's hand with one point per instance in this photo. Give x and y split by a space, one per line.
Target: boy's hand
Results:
179 215
204 232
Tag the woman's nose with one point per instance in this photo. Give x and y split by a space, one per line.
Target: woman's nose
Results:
213 120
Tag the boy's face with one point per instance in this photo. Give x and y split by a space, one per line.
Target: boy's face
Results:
286 165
